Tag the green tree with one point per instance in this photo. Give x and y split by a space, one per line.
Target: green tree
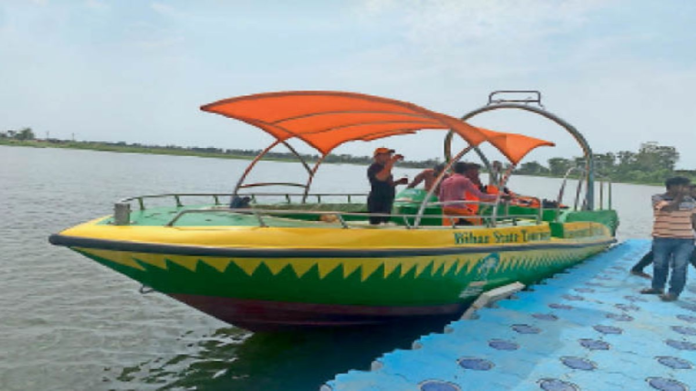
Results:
532 168
626 158
625 165
604 162
559 166
24 134
653 156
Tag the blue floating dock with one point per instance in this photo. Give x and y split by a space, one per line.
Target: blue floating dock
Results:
586 329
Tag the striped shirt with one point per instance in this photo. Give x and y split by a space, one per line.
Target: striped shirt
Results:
673 224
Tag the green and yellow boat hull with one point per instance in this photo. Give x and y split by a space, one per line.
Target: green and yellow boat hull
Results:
278 276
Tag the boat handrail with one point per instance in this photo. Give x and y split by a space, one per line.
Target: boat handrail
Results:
539 215
216 196
561 191
176 196
537 100
339 215
459 202
603 180
261 184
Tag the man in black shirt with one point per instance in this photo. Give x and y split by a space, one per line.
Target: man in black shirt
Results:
382 182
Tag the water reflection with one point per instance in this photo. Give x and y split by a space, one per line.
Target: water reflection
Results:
232 359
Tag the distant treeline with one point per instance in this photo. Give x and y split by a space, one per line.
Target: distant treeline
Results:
652 164
26 137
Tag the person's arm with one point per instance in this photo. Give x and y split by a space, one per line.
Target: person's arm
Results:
417 180
473 189
385 173
383 176
668 206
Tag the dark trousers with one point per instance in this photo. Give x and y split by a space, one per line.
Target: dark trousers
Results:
648 259
381 206
671 254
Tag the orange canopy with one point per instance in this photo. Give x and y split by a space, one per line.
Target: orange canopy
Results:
514 146
327 119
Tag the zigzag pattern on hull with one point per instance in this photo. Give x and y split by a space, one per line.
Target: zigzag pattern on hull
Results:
368 281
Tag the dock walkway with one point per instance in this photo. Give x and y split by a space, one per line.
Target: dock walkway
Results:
587 329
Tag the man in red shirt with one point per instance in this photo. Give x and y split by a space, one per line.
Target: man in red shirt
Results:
454 189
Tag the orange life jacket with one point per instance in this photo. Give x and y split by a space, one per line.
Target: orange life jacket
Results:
455 212
529 202
470 197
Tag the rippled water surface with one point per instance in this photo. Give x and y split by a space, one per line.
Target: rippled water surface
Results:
67 323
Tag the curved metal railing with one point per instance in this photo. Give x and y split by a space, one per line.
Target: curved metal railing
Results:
603 181
261 214
561 190
177 197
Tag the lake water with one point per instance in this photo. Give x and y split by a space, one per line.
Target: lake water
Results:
67 323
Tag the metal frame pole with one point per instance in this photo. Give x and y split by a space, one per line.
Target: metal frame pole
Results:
263 153
479 152
610 194
439 179
503 182
297 155
577 193
312 173
579 138
252 164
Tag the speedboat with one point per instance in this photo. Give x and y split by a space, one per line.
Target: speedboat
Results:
298 259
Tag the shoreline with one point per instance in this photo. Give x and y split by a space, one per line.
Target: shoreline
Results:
152 150
195 152
100 147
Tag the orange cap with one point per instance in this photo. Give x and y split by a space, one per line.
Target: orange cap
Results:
382 150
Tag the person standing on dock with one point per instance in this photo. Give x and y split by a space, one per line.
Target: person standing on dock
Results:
673 237
382 184
637 269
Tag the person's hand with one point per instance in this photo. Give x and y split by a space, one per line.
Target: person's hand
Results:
402 181
505 197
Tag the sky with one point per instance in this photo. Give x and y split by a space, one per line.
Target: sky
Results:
622 72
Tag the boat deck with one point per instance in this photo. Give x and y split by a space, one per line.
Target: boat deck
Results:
588 329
